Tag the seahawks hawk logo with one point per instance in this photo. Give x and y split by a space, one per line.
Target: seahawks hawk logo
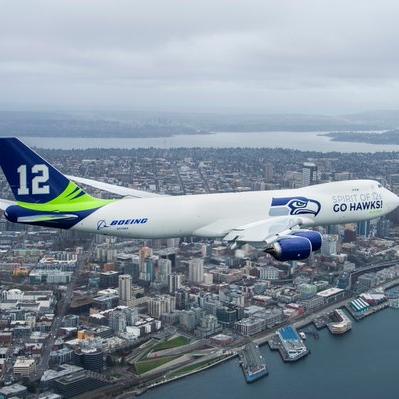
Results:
294 206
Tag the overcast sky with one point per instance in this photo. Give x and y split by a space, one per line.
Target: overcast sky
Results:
208 55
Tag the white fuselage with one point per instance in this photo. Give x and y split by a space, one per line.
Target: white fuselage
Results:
214 215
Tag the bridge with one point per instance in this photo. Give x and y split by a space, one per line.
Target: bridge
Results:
373 268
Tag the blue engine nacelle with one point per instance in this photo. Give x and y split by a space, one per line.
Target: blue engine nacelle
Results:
291 248
313 236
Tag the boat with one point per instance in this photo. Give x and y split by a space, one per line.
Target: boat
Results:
302 334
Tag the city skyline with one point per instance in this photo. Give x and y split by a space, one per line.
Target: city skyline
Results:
198 300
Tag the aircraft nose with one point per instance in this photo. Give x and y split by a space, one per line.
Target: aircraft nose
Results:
393 200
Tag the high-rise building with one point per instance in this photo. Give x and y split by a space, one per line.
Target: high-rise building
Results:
147 269
329 245
208 278
363 228
174 282
125 288
132 315
132 268
206 250
309 173
196 270
383 226
145 252
268 172
169 253
349 233
161 304
109 279
182 299
117 321
164 270
129 264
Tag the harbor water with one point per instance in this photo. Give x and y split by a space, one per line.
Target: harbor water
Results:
362 364
304 141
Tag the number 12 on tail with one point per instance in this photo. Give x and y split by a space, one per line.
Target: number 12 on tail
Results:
40 176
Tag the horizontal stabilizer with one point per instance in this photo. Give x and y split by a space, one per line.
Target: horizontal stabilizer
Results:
46 218
113 188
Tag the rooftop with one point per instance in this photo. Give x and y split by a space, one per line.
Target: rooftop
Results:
12 389
330 292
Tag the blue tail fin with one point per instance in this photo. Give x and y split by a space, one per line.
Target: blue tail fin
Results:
31 178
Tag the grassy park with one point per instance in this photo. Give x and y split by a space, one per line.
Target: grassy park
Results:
143 366
171 343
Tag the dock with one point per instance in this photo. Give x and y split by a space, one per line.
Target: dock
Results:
289 344
321 322
359 309
252 363
340 322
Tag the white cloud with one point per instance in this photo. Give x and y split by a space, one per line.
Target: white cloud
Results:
282 56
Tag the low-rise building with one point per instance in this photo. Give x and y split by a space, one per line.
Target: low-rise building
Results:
250 326
24 367
14 390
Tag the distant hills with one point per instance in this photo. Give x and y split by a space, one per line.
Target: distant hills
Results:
164 124
390 137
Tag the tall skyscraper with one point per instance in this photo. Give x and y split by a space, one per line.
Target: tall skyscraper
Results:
169 253
125 288
174 282
196 270
268 172
182 299
363 228
164 270
206 250
147 269
309 173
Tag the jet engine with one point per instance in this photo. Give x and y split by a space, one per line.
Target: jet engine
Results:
313 236
291 248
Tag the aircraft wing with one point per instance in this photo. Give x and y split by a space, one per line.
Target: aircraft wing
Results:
113 188
4 204
266 231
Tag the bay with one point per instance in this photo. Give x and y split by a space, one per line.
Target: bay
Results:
304 141
362 364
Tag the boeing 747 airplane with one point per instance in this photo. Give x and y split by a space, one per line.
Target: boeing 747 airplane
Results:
277 222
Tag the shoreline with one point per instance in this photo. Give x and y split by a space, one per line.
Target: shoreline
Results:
141 391
303 322
305 141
